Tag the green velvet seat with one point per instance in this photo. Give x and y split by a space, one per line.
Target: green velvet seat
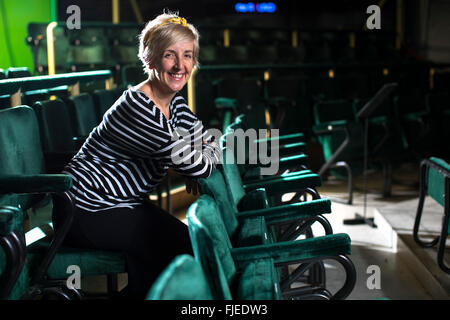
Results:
300 182
341 138
286 145
23 181
104 99
286 154
183 279
250 272
435 182
253 222
59 143
132 75
83 114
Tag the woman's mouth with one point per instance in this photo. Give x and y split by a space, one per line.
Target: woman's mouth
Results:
176 76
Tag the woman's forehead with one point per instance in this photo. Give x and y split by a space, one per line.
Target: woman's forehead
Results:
182 45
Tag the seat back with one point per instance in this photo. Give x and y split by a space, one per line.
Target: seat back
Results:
437 171
55 126
21 145
239 147
232 175
212 245
17 72
215 187
331 110
183 279
82 113
103 99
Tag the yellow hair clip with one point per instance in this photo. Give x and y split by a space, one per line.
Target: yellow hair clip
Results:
178 20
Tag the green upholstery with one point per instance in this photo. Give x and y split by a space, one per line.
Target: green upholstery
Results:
213 250
132 75
91 262
55 125
275 186
435 181
259 281
183 279
21 178
104 99
338 113
243 232
255 263
10 86
59 143
21 146
35 183
290 150
20 72
82 113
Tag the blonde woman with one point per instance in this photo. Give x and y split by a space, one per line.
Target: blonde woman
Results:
128 154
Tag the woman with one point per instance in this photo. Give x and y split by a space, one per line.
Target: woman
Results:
149 129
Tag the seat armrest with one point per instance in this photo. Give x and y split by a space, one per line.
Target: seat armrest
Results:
330 127
288 183
36 183
288 212
295 251
255 199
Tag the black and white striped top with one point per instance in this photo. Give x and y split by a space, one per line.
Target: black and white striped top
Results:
128 154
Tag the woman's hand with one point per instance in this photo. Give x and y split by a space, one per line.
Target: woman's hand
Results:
191 185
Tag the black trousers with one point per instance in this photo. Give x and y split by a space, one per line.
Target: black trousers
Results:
148 236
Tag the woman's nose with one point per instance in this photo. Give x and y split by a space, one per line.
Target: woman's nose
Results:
176 62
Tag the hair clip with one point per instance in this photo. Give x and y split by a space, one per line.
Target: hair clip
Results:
178 20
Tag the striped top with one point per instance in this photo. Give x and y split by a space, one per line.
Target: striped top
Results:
128 154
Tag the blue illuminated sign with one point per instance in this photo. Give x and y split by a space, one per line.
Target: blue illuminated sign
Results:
263 7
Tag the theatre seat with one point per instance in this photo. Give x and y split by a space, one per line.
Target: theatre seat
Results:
59 143
249 273
183 279
23 183
435 182
83 114
254 221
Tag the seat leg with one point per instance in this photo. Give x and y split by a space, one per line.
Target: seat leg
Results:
112 283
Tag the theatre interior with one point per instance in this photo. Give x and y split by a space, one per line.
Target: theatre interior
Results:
349 100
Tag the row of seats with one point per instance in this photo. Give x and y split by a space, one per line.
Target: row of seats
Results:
115 45
40 267
257 279
297 94
403 127
407 125
274 45
33 261
92 47
250 243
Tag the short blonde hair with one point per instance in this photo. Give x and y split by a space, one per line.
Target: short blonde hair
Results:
159 34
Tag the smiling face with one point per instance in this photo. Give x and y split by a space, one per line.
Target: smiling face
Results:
176 66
